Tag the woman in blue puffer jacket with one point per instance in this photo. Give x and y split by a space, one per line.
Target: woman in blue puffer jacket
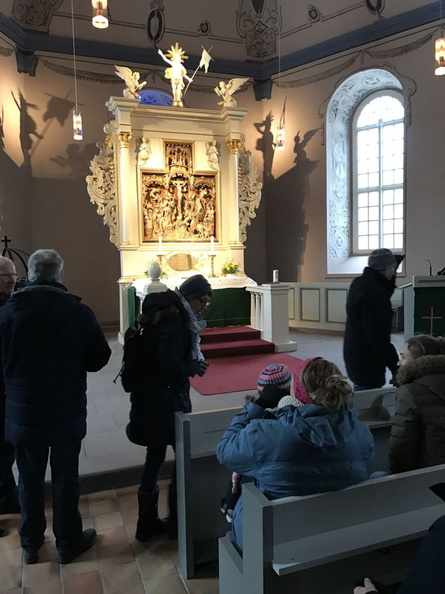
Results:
299 451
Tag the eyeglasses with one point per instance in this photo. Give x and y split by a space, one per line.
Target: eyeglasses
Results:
8 275
204 301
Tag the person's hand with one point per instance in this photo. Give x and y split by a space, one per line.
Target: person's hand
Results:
368 587
203 365
270 396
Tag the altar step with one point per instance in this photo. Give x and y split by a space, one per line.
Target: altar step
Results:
234 340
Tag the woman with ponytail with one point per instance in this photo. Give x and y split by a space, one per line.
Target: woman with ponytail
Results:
315 447
418 431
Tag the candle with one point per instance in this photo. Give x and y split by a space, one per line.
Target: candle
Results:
212 245
160 244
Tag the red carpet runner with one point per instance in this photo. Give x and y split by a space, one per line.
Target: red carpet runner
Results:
236 355
235 374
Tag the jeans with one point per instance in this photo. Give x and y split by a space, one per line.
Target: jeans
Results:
154 457
32 460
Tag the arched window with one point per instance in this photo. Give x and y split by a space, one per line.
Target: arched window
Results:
365 125
378 133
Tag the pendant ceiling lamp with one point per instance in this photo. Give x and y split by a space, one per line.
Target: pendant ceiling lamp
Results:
77 116
439 48
100 13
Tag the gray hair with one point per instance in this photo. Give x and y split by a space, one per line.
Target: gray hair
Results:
46 266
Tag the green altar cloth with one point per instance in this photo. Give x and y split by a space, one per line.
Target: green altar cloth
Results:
229 307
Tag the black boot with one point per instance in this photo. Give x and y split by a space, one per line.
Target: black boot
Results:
173 513
149 524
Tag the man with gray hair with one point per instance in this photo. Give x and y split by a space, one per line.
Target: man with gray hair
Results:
367 347
48 342
8 494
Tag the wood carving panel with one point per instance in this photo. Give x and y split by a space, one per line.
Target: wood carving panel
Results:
178 204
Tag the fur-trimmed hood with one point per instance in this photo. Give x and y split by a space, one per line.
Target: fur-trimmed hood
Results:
426 371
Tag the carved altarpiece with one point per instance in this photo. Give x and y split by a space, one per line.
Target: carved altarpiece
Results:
153 177
179 204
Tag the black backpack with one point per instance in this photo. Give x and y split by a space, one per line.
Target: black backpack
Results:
134 361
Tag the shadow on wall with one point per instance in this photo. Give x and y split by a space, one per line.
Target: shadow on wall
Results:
77 159
28 128
284 198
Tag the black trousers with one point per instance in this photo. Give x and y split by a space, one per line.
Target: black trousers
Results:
32 460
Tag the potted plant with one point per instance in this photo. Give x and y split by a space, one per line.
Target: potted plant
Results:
230 268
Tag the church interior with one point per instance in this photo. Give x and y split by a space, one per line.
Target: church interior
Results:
261 175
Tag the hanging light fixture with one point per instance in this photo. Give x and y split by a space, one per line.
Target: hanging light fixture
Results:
77 116
280 137
100 13
439 47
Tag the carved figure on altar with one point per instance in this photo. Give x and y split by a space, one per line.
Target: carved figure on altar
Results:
144 151
226 90
131 80
177 72
213 154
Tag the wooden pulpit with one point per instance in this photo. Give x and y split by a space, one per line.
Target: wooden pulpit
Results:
424 306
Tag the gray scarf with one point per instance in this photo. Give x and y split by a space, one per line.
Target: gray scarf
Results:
196 325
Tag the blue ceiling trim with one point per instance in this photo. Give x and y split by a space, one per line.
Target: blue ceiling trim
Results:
119 53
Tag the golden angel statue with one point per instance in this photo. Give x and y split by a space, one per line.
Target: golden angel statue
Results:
176 73
226 90
131 80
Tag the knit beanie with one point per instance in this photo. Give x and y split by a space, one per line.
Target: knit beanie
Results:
300 391
276 374
195 286
381 259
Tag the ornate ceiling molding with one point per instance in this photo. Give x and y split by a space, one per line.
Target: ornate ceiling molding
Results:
259 28
34 15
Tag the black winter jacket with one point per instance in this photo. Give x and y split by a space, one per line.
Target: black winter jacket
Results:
418 431
367 347
168 368
48 342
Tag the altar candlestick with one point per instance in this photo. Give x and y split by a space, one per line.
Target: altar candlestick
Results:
160 245
212 245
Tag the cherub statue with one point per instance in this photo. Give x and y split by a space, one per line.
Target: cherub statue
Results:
226 90
176 73
144 150
213 154
131 80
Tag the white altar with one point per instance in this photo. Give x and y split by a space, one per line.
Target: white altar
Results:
175 185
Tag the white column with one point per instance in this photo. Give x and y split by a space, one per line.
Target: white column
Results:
276 318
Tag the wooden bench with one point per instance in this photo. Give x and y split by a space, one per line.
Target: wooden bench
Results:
202 481
325 542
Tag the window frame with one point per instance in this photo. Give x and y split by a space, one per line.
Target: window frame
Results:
360 106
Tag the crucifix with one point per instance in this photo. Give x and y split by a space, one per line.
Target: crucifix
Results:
6 240
431 318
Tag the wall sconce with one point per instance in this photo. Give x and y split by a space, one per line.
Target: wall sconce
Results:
440 56
100 13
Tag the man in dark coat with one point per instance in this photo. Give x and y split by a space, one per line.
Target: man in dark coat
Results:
171 323
8 494
367 347
48 342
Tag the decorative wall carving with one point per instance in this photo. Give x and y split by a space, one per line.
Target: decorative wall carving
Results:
124 139
35 15
178 204
102 184
259 25
338 116
233 146
249 190
156 22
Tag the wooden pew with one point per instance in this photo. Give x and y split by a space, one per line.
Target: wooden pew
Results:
202 481
325 542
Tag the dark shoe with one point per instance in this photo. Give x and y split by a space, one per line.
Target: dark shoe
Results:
30 556
87 540
3 531
149 523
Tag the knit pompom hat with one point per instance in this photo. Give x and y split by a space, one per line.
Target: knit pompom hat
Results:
195 286
276 374
289 401
300 391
